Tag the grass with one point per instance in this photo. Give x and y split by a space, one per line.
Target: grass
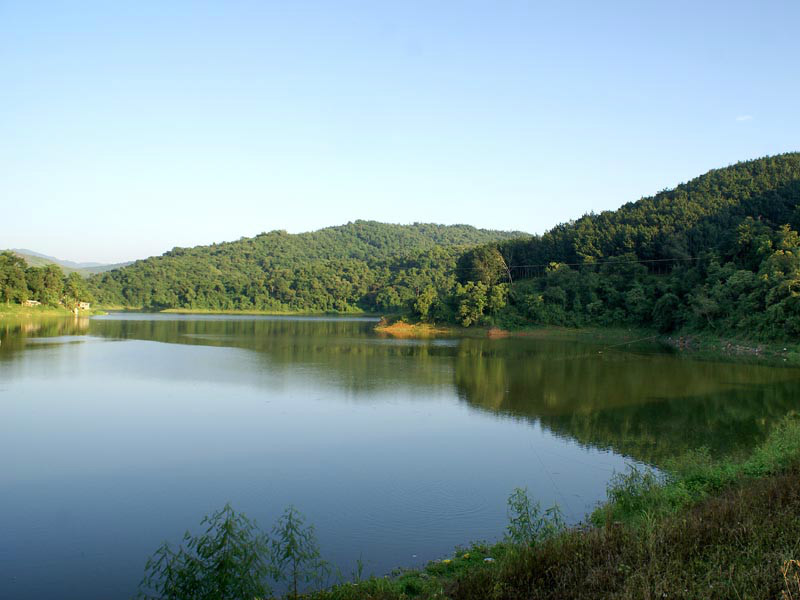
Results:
401 329
706 529
16 311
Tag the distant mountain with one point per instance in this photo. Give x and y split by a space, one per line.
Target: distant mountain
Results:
37 259
364 265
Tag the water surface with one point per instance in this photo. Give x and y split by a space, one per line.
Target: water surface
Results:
120 432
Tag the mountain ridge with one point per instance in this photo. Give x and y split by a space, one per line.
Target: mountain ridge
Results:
86 269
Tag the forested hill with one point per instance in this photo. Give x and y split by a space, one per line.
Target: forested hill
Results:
363 265
720 253
699 216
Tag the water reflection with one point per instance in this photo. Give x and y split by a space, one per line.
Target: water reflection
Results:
120 432
647 403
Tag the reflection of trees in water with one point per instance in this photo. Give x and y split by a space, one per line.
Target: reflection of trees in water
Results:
726 423
647 406
14 333
340 352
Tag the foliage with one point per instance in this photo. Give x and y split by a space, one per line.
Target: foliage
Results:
735 535
737 544
720 253
361 266
295 552
738 540
472 300
228 561
46 284
641 493
527 524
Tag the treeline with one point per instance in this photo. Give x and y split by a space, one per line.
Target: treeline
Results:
361 266
720 253
46 284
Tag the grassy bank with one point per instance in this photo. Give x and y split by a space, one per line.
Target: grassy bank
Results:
17 311
705 530
740 347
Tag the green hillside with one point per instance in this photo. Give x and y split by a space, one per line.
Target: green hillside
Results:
363 265
720 253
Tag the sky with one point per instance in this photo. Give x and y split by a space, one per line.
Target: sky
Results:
129 128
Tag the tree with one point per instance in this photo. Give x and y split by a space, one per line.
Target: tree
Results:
12 278
75 290
665 312
228 561
52 285
423 303
295 552
485 264
497 297
471 302
528 525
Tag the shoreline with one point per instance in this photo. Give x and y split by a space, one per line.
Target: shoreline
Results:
700 345
687 343
643 537
17 311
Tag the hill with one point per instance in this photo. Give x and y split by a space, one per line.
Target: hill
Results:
720 253
85 269
362 265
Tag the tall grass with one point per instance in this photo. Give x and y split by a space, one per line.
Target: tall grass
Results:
641 493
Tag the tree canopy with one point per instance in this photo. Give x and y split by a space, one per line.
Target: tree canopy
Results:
720 253
363 265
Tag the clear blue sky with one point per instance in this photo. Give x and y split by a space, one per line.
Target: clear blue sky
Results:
127 128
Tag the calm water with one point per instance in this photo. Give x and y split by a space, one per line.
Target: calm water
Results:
120 432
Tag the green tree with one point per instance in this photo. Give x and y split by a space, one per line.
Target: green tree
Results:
75 290
295 552
13 286
496 298
665 312
485 264
528 525
228 561
424 302
52 285
472 300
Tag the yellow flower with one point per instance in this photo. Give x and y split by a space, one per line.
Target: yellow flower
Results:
466 555
447 561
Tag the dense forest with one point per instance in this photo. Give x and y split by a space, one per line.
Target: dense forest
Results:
46 284
720 254
361 266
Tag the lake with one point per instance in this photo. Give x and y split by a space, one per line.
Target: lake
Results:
122 431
